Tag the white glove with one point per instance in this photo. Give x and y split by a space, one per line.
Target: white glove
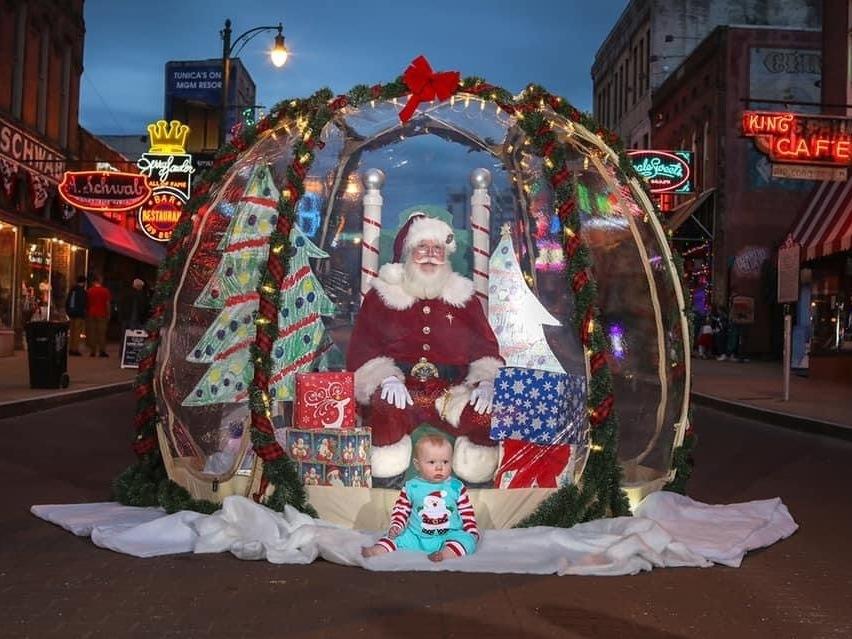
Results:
394 392
482 397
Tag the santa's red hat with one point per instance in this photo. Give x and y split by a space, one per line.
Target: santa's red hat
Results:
419 227
438 493
331 469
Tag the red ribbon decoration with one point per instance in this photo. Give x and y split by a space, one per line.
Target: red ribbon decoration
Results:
426 85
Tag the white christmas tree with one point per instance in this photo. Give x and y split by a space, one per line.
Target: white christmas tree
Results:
225 346
515 313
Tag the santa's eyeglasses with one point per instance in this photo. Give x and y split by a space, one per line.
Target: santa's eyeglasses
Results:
425 249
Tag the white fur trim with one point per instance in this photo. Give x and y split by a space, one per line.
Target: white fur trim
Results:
428 228
389 287
451 404
483 369
474 463
391 460
371 373
457 291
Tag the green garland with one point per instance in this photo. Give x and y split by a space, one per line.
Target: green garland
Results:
145 483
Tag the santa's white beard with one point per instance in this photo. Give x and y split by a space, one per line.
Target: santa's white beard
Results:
425 285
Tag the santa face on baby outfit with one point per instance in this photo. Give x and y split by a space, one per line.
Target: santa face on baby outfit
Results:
422 324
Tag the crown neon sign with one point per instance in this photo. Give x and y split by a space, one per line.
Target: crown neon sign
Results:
791 138
169 170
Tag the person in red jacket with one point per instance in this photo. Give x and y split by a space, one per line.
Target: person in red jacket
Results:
423 352
98 303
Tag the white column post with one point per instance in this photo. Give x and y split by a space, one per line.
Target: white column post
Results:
480 224
371 228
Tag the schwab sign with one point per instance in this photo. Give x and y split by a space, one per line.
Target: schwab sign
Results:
664 171
169 171
104 190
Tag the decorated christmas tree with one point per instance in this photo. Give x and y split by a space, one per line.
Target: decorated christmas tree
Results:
515 313
301 341
225 346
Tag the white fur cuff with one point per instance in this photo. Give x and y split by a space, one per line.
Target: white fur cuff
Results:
451 404
369 376
483 369
391 460
473 463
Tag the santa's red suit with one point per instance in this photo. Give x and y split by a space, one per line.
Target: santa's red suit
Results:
395 329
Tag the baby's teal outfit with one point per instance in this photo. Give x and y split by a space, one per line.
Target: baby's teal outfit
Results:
434 517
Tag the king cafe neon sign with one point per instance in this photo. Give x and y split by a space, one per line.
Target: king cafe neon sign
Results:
793 138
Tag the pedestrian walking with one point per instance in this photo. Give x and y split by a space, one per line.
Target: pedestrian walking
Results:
98 302
135 306
75 308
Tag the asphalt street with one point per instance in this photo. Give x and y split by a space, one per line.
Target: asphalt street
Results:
53 584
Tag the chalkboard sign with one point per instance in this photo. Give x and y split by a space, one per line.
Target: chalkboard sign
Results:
132 347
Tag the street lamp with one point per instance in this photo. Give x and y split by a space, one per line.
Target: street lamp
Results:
278 56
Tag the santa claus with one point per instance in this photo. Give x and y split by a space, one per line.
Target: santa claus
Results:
424 353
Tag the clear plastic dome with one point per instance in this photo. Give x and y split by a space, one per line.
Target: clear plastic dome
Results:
433 163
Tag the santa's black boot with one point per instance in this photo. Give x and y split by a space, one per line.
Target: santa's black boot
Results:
389 482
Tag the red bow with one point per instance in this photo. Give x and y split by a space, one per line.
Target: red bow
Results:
426 85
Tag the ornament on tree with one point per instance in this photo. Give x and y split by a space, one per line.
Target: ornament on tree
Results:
515 313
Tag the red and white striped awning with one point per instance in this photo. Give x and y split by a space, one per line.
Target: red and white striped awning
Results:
826 225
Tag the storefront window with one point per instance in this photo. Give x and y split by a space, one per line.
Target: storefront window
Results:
831 303
8 244
50 268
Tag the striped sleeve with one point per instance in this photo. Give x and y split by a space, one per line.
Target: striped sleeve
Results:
401 511
468 517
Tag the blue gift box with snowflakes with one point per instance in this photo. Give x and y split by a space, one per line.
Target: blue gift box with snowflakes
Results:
539 406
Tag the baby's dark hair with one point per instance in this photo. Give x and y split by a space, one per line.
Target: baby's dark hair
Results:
434 439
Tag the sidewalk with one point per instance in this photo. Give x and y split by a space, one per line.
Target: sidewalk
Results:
751 389
756 390
90 377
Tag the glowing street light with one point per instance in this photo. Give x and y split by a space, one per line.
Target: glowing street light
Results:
278 56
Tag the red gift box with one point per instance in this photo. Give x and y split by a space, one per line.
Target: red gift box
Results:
526 465
325 400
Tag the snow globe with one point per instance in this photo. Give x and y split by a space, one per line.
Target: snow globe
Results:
561 327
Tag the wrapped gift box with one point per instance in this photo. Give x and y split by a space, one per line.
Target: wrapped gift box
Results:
539 406
525 465
325 400
330 456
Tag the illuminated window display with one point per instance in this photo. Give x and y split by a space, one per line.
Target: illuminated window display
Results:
489 268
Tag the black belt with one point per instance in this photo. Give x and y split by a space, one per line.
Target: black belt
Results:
445 371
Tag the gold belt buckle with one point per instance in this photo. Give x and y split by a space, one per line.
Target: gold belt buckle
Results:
423 370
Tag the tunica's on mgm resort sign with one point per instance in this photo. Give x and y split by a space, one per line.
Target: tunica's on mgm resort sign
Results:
801 146
169 171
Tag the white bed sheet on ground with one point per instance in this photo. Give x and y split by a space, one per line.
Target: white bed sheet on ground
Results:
666 530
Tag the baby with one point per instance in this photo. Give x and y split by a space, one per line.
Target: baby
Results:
433 513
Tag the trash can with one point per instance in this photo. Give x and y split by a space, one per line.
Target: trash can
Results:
47 350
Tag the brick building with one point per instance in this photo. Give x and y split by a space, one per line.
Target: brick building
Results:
746 213
46 244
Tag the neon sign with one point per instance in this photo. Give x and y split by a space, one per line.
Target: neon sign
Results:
664 171
791 138
104 190
160 215
169 171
